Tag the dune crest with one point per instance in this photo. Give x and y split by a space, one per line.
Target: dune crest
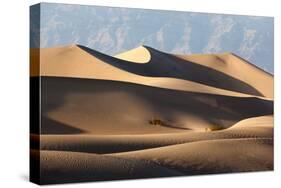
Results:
136 55
262 121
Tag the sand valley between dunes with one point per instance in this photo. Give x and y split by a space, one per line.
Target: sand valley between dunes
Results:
146 113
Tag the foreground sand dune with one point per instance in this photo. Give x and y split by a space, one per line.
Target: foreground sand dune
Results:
238 155
145 113
73 158
66 167
215 156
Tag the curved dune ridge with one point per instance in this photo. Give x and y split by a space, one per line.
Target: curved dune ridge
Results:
146 113
137 55
263 121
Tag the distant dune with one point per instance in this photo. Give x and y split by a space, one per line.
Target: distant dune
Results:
167 71
145 113
238 68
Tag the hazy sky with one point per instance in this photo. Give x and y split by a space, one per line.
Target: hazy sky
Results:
113 30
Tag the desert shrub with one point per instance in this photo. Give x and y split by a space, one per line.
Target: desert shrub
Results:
155 121
214 128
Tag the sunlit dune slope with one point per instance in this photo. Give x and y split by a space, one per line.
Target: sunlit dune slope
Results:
215 156
263 121
136 55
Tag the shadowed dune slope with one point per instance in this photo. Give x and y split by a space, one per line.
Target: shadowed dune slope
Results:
67 167
167 65
226 63
85 104
238 68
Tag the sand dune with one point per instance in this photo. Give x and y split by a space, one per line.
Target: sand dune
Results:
167 65
191 158
66 167
85 105
79 62
230 150
238 68
145 113
215 156
92 143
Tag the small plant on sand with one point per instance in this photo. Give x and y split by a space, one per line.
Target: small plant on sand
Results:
156 121
208 129
215 128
